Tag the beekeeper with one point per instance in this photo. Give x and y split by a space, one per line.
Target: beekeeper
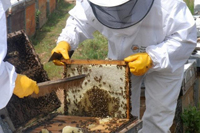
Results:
10 81
155 37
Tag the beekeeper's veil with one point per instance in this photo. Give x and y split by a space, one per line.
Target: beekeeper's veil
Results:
118 14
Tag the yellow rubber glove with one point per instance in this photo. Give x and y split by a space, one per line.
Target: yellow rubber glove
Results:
139 63
25 86
61 48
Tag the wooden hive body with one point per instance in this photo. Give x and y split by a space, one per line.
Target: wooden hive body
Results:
104 92
87 125
22 55
100 105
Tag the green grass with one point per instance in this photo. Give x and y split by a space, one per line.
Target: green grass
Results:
190 4
191 119
45 40
92 48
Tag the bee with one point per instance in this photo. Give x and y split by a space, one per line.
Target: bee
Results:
60 124
85 69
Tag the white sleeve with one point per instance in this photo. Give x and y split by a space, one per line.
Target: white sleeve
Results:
77 28
7 71
5 4
179 43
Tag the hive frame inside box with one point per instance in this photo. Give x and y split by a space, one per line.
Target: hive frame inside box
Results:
22 55
104 92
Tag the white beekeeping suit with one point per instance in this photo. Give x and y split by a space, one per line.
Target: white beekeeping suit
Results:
7 71
164 29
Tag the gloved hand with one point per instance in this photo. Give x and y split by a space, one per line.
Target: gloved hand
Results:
25 86
61 48
139 63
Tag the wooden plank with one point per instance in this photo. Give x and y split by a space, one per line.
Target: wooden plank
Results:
52 4
95 62
134 127
128 92
142 106
50 86
30 19
188 98
42 7
17 15
91 123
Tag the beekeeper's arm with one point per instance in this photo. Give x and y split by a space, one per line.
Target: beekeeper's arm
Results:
10 81
76 30
174 51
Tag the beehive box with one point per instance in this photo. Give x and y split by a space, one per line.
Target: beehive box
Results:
21 54
30 20
104 92
41 6
51 6
197 83
16 14
100 105
22 12
104 108
87 125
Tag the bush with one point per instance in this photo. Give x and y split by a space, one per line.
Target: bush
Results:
191 119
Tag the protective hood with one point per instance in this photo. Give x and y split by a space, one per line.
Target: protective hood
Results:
108 3
121 15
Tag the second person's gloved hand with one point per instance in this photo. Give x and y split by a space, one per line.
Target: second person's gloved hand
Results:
139 63
61 48
25 86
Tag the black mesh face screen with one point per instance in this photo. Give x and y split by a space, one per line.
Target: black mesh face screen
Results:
122 16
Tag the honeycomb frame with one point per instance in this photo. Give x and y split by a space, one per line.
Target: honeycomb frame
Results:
105 91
